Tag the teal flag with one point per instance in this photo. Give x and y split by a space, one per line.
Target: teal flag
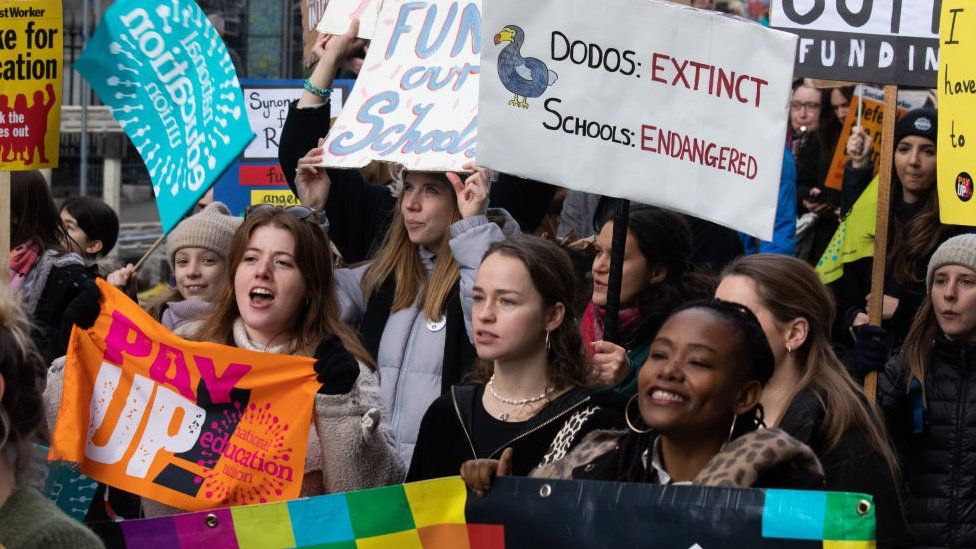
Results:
166 74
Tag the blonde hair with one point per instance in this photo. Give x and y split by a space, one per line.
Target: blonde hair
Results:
401 258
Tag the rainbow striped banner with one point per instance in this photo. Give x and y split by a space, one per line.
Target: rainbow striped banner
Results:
521 512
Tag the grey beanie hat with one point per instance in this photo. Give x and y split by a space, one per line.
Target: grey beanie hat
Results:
213 229
958 250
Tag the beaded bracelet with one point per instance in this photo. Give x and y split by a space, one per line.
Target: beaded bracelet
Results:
312 88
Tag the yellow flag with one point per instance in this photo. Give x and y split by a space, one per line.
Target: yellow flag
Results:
854 238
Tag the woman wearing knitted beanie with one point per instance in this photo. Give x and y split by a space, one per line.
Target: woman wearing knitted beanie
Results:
928 393
197 252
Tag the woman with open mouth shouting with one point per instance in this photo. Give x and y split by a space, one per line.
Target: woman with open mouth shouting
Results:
278 297
528 392
697 407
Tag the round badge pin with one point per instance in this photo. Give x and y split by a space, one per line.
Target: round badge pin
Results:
436 326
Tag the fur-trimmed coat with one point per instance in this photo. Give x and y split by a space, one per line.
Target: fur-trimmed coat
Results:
766 458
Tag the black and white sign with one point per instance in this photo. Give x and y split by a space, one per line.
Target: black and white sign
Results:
877 41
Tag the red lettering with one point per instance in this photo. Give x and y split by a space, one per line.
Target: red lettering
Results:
655 67
679 73
647 136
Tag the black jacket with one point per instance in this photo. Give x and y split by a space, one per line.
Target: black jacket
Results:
852 466
371 206
446 438
53 316
936 442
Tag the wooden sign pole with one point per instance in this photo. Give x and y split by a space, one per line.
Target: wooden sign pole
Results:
876 303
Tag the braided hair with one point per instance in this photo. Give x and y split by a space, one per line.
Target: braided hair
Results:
756 363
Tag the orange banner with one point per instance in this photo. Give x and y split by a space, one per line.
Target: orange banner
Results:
872 120
193 425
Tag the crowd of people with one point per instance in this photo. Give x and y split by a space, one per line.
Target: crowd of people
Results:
456 333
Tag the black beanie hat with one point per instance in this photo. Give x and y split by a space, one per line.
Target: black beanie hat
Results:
921 122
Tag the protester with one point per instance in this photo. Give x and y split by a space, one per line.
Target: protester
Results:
656 278
527 392
698 409
914 228
811 396
27 519
92 225
370 206
279 297
929 400
43 274
816 204
197 251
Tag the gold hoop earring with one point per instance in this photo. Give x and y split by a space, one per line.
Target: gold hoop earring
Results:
547 343
789 349
732 429
627 418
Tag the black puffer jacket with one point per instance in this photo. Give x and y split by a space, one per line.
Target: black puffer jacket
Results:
936 442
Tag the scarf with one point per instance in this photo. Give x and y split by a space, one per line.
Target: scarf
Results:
591 326
178 313
22 260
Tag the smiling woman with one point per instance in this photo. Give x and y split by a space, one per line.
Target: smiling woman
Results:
697 409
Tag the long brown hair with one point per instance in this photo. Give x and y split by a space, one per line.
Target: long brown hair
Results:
789 289
914 241
551 272
400 257
319 314
919 340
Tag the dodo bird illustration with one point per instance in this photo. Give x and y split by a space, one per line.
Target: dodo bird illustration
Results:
525 77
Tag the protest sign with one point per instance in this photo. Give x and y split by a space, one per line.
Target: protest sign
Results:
255 177
880 41
70 490
339 13
667 124
30 83
957 113
872 120
524 512
416 99
166 74
192 425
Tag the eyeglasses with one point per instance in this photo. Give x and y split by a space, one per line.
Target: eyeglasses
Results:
298 212
810 106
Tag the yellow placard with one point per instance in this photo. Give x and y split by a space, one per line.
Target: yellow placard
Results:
31 63
275 198
957 113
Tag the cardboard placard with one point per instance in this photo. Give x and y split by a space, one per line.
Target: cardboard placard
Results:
416 99
879 41
666 125
31 64
957 114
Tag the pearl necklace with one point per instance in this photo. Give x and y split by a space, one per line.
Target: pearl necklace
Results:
515 402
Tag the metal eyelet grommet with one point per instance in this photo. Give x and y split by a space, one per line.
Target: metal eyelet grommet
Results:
863 507
212 521
589 467
545 491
